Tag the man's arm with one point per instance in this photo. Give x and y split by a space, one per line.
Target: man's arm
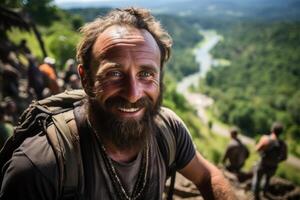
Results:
23 181
209 179
31 173
262 143
225 156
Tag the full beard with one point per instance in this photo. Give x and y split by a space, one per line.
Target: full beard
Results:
124 134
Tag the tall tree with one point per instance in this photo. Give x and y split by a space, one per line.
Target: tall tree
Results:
42 12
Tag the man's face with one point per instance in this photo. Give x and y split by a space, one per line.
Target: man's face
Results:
126 71
125 76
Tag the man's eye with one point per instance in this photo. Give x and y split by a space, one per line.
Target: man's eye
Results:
145 74
115 74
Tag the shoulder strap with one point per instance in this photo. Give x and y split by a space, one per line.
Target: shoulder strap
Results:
63 137
87 158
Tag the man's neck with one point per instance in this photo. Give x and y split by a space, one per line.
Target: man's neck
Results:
121 155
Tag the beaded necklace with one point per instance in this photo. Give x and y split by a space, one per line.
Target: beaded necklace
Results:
143 175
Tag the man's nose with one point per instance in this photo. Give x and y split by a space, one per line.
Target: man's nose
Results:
133 91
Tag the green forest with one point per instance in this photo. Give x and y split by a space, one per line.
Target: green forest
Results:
261 84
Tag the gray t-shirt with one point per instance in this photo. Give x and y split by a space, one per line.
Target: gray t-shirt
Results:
32 172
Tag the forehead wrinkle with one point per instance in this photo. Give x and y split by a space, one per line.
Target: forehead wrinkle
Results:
115 34
135 38
106 66
109 43
120 36
145 50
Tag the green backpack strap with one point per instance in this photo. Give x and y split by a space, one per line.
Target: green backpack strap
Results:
63 137
63 101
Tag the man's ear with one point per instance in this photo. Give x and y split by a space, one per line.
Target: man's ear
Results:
84 80
82 74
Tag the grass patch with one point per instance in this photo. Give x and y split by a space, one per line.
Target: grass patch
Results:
289 172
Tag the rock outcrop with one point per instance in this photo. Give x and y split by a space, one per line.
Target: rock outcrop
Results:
280 189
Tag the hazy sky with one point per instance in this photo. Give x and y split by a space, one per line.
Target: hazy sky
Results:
63 1
84 1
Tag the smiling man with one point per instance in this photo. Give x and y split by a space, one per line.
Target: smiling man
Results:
126 86
119 123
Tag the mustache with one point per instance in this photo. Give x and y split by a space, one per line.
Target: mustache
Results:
121 102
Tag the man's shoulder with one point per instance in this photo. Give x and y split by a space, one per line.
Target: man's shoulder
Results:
265 140
169 114
32 162
39 153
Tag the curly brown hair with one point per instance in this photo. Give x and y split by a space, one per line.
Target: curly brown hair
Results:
136 17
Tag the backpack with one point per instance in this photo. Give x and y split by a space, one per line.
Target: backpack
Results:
274 154
244 153
54 116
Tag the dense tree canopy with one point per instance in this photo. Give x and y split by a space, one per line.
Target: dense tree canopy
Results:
40 11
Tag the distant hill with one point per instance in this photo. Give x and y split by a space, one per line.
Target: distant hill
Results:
89 14
233 9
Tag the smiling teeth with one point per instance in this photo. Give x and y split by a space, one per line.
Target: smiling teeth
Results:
128 109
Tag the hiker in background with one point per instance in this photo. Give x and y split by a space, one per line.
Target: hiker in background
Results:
272 151
8 55
50 76
236 153
35 78
74 82
10 80
71 78
6 128
11 110
71 69
119 124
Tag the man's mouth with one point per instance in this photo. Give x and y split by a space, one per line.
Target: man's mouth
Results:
128 110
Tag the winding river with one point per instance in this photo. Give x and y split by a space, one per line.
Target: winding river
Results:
205 60
203 57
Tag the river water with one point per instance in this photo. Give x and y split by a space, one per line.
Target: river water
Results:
205 60
203 57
